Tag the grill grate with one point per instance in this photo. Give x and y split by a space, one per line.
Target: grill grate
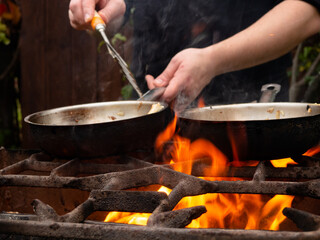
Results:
106 178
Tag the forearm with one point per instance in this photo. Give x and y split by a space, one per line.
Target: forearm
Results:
275 34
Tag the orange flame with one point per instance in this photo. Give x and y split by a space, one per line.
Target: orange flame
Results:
313 151
201 102
283 163
237 211
166 135
129 218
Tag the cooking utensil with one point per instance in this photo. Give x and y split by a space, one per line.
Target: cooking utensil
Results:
269 92
255 131
98 129
153 94
98 24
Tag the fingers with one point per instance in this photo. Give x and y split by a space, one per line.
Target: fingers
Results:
88 7
111 9
180 82
152 83
169 78
174 90
165 77
170 71
81 12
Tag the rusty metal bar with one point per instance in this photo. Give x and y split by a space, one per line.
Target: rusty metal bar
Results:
126 201
304 220
305 170
310 188
139 173
260 173
164 176
117 231
36 162
122 201
176 219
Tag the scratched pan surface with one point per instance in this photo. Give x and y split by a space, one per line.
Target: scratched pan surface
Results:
98 129
255 131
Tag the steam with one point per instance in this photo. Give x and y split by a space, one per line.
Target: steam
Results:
181 103
164 28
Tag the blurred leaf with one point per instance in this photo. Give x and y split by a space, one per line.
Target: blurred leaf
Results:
4 39
118 36
309 80
301 68
100 45
19 114
126 91
3 27
306 51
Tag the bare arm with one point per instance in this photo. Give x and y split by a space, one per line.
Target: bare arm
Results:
275 34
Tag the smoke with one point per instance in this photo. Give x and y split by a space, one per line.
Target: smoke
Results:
181 102
163 28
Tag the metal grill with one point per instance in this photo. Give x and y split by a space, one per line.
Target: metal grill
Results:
108 181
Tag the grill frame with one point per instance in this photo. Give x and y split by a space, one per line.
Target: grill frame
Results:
133 172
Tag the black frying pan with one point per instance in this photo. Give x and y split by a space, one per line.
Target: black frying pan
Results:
98 129
255 131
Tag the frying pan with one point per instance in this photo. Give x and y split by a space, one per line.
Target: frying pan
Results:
98 129
255 131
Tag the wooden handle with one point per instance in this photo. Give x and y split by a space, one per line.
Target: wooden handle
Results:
96 20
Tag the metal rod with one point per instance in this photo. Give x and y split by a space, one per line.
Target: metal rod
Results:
101 29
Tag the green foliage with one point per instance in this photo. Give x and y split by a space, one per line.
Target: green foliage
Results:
3 34
3 27
305 77
307 56
101 43
19 114
126 91
118 36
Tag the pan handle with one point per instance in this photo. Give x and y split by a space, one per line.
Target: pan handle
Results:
269 92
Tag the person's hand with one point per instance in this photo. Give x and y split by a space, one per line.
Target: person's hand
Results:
81 12
186 75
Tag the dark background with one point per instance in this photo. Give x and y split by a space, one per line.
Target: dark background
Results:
48 64
58 66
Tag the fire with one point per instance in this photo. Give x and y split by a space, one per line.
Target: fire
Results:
313 151
201 102
282 163
132 218
237 211
129 218
274 208
286 161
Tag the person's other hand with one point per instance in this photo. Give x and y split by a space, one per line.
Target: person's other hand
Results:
185 76
81 12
